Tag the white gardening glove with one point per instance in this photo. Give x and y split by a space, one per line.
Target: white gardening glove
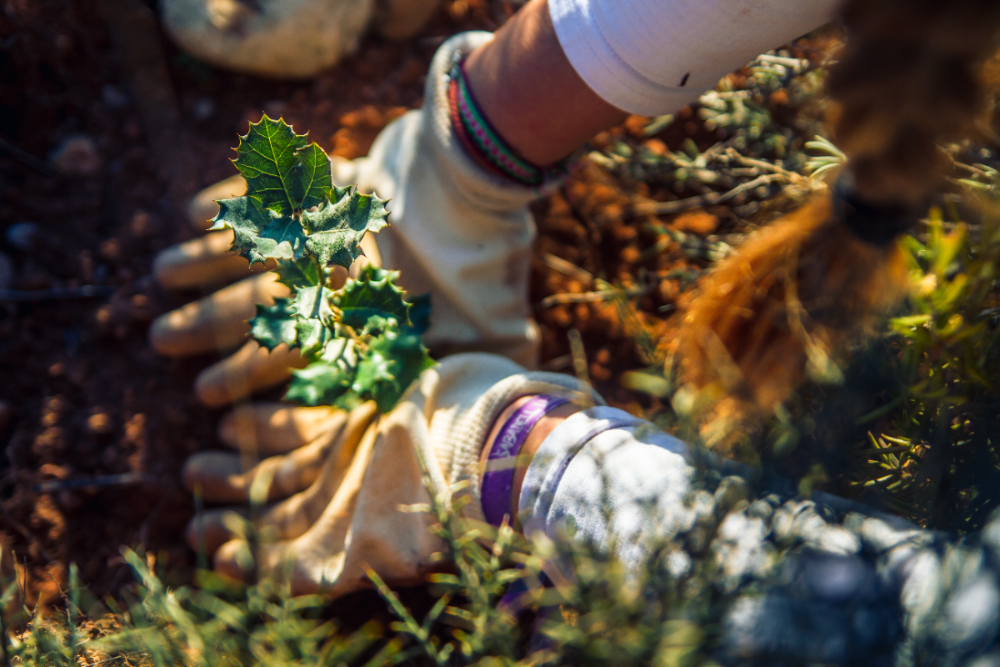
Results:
344 513
286 38
456 232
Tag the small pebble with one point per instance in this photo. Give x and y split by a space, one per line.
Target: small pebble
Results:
77 156
142 224
24 235
113 97
6 271
203 108
99 423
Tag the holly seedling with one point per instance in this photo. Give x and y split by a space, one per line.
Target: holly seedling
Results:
363 340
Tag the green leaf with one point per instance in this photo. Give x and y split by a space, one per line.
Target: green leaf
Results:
420 313
336 229
313 181
313 335
393 361
320 383
259 235
267 157
274 325
373 295
282 238
300 273
313 303
242 215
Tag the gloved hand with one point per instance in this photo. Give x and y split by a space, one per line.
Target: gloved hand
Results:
455 231
286 38
346 476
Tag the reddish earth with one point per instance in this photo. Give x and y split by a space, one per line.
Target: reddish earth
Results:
84 399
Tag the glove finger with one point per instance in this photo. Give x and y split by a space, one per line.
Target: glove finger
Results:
203 208
203 262
216 322
316 557
276 428
293 516
249 369
223 478
208 530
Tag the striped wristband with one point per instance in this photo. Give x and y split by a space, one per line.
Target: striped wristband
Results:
484 144
498 479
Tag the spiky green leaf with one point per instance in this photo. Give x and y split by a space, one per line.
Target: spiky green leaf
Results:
313 182
274 325
420 313
259 235
282 238
336 228
320 383
296 274
242 215
313 303
372 295
312 336
268 157
392 362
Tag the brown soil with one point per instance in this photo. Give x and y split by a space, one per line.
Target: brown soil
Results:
84 399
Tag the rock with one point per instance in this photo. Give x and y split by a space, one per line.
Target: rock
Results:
77 156
275 38
6 272
142 224
203 108
113 97
100 423
24 235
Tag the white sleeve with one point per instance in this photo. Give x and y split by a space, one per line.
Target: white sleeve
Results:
652 57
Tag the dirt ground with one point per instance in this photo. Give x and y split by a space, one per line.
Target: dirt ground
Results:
94 425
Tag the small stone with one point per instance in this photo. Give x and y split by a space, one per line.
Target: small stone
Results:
77 156
53 471
24 235
99 422
203 108
111 249
140 307
142 224
113 97
6 272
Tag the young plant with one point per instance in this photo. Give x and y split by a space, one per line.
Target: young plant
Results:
362 341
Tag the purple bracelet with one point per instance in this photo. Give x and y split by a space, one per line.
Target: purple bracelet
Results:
497 484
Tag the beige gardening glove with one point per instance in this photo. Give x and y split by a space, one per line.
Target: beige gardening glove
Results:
340 490
455 231
286 38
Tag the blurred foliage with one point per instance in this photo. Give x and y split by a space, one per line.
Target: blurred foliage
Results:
757 118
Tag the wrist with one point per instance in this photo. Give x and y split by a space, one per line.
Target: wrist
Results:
528 89
532 441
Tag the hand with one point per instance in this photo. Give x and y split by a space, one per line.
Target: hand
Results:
337 480
456 232
218 322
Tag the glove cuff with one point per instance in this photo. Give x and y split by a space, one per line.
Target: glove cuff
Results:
469 178
463 444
